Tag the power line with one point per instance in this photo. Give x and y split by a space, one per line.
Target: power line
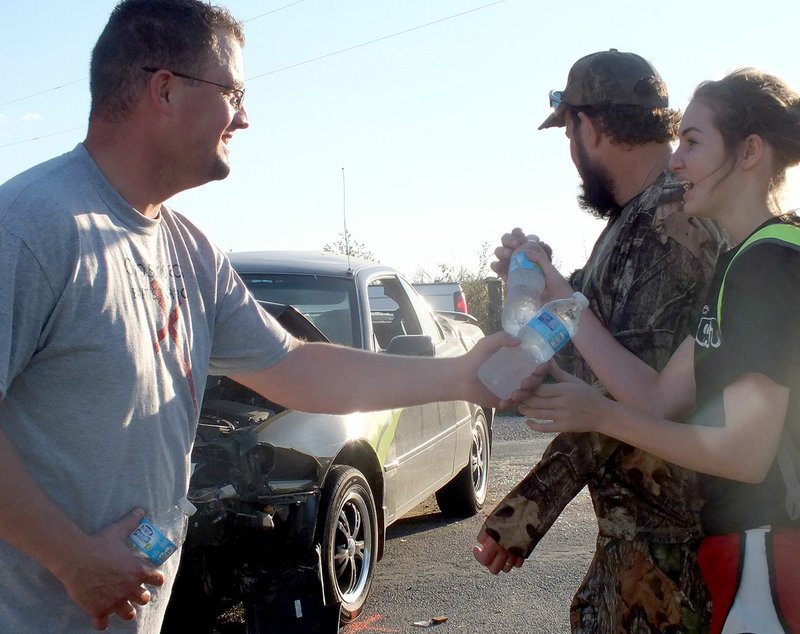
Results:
379 39
42 136
77 81
273 11
42 92
272 72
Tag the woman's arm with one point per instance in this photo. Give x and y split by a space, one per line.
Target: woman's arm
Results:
670 393
743 448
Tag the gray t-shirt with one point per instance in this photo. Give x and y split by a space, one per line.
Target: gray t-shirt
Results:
110 323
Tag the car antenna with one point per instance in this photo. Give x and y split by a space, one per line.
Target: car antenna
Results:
344 221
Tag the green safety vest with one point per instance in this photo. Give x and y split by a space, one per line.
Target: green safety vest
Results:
786 234
788 453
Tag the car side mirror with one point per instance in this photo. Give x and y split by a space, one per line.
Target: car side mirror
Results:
412 345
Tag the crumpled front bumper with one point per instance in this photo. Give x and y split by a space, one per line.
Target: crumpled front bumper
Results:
257 508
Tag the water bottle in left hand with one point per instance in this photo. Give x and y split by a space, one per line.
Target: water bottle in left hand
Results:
523 290
545 334
159 536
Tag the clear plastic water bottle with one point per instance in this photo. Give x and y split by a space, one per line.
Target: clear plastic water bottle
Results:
159 536
523 290
544 335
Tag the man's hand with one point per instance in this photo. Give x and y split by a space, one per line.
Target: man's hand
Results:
492 555
103 575
473 388
477 392
510 242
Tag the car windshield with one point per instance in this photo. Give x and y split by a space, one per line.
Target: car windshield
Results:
328 302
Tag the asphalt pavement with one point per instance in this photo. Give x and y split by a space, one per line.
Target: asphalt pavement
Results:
429 581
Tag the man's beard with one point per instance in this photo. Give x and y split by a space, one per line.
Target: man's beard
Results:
597 188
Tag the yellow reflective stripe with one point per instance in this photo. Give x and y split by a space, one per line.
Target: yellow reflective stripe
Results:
788 234
387 437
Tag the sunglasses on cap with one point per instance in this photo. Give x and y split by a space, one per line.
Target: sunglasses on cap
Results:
556 98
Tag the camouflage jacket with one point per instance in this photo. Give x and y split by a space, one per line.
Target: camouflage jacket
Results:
645 280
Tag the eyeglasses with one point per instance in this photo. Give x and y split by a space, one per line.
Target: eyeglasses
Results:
235 95
556 98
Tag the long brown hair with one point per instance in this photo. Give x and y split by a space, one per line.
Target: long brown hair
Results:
749 101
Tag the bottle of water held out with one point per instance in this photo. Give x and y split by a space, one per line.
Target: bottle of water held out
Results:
544 335
157 537
523 290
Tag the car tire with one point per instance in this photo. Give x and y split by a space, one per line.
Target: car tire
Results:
465 494
348 535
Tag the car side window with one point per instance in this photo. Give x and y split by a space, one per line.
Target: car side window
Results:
428 323
391 311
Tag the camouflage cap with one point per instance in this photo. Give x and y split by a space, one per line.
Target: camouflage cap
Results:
608 77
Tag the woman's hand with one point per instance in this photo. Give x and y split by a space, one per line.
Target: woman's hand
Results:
570 405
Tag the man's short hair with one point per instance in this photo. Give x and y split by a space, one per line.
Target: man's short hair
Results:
632 124
177 34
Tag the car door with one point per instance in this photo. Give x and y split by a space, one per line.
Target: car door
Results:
424 447
455 417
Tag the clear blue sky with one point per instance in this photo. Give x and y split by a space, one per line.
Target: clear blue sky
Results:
435 127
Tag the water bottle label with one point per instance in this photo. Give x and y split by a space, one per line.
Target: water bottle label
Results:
520 261
150 541
550 328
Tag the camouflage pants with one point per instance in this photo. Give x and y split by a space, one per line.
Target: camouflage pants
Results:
636 586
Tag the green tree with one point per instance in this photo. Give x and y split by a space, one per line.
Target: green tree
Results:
348 245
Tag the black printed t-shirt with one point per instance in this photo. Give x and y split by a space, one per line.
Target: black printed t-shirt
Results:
759 334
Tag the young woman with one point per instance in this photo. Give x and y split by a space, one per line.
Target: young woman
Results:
738 379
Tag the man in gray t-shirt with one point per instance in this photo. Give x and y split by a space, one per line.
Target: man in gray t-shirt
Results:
113 311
